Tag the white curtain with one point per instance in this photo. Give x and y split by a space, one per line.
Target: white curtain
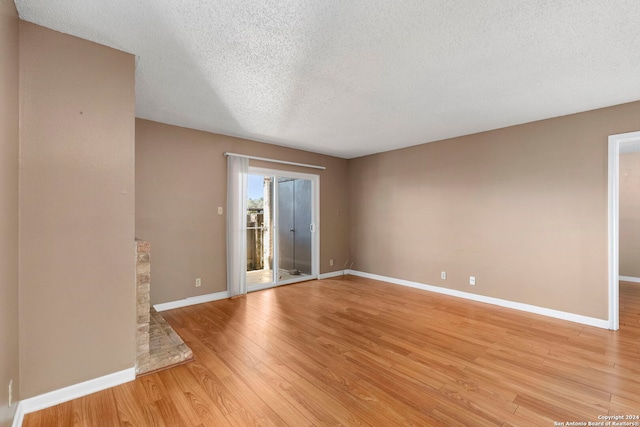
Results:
237 170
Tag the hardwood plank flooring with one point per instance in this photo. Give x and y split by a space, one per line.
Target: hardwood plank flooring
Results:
358 352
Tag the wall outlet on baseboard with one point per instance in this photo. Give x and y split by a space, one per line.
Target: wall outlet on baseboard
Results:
10 392
472 280
443 275
198 282
331 262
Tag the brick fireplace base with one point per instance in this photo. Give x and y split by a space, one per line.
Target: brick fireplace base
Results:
166 348
158 345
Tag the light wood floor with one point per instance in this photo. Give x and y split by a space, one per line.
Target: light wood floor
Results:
359 352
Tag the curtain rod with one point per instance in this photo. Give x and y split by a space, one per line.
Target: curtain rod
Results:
275 161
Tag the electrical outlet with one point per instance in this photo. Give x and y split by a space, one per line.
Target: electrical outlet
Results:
219 210
472 280
331 262
198 282
10 392
443 275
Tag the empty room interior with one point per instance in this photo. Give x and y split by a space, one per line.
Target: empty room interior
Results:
245 213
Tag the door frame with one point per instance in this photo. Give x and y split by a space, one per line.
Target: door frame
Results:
315 220
616 143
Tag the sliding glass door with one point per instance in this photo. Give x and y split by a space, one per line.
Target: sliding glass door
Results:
282 240
294 226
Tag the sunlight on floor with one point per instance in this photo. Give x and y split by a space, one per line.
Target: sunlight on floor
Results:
258 277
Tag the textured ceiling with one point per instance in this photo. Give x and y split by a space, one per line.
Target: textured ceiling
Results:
350 78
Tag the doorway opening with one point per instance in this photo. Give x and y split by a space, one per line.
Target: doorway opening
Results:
282 240
621 143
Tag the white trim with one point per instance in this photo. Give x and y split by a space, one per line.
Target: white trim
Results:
283 162
591 321
616 142
18 417
613 230
191 301
630 279
75 391
333 274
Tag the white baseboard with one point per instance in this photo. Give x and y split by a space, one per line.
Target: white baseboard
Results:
225 294
333 274
71 392
630 279
191 301
577 318
18 417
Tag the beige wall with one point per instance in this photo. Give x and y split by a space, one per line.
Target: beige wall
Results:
8 207
181 181
630 215
524 209
77 266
